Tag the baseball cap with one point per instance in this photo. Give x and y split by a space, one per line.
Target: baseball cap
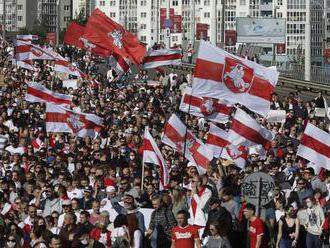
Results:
110 189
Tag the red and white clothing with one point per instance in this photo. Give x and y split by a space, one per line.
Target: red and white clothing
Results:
198 202
185 236
102 237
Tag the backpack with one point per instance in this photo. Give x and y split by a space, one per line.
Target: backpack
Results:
120 242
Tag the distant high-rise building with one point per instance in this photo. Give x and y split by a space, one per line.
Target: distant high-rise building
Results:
18 14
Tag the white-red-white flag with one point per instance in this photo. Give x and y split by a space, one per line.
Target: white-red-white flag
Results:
315 146
217 141
152 154
25 50
238 154
38 93
118 63
221 75
182 140
26 64
206 107
62 65
156 58
246 131
63 120
27 37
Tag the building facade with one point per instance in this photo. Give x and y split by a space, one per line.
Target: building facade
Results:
18 14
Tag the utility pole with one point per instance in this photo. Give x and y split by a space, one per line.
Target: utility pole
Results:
193 24
308 42
58 22
223 7
168 29
4 20
274 45
214 22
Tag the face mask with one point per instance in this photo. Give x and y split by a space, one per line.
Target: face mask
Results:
132 157
11 243
84 242
309 205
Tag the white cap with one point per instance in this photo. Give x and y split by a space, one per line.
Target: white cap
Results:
110 189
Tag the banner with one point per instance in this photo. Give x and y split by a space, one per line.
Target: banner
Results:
201 31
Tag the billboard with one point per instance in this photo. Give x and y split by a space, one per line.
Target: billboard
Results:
201 31
260 30
230 37
51 38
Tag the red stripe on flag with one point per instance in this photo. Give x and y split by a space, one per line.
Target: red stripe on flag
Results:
62 118
208 70
250 134
147 145
162 57
216 140
46 96
192 100
23 49
315 145
56 117
261 88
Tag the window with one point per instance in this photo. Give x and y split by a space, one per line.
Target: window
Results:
175 38
143 14
19 6
102 3
66 18
67 7
175 3
143 3
143 38
113 14
206 14
279 15
112 3
20 18
143 26
206 2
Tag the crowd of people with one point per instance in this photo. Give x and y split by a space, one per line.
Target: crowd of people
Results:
59 190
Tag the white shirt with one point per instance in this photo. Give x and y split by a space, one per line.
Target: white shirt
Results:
75 193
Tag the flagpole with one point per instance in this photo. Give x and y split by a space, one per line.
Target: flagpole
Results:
186 122
142 177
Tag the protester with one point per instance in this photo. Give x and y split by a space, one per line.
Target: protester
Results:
62 190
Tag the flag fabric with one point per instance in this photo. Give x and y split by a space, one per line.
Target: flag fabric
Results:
74 36
217 141
246 131
118 63
156 58
183 141
104 32
26 64
237 154
27 37
206 107
315 146
152 154
38 93
221 75
62 65
25 50
63 120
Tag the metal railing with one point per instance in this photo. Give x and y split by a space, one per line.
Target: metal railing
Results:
319 74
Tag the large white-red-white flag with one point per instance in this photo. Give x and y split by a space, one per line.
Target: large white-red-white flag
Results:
64 66
162 57
152 154
27 37
246 131
221 75
25 50
63 120
217 141
315 146
206 107
38 93
182 140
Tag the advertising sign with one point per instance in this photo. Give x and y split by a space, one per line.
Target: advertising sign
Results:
201 31
230 37
261 30
51 38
